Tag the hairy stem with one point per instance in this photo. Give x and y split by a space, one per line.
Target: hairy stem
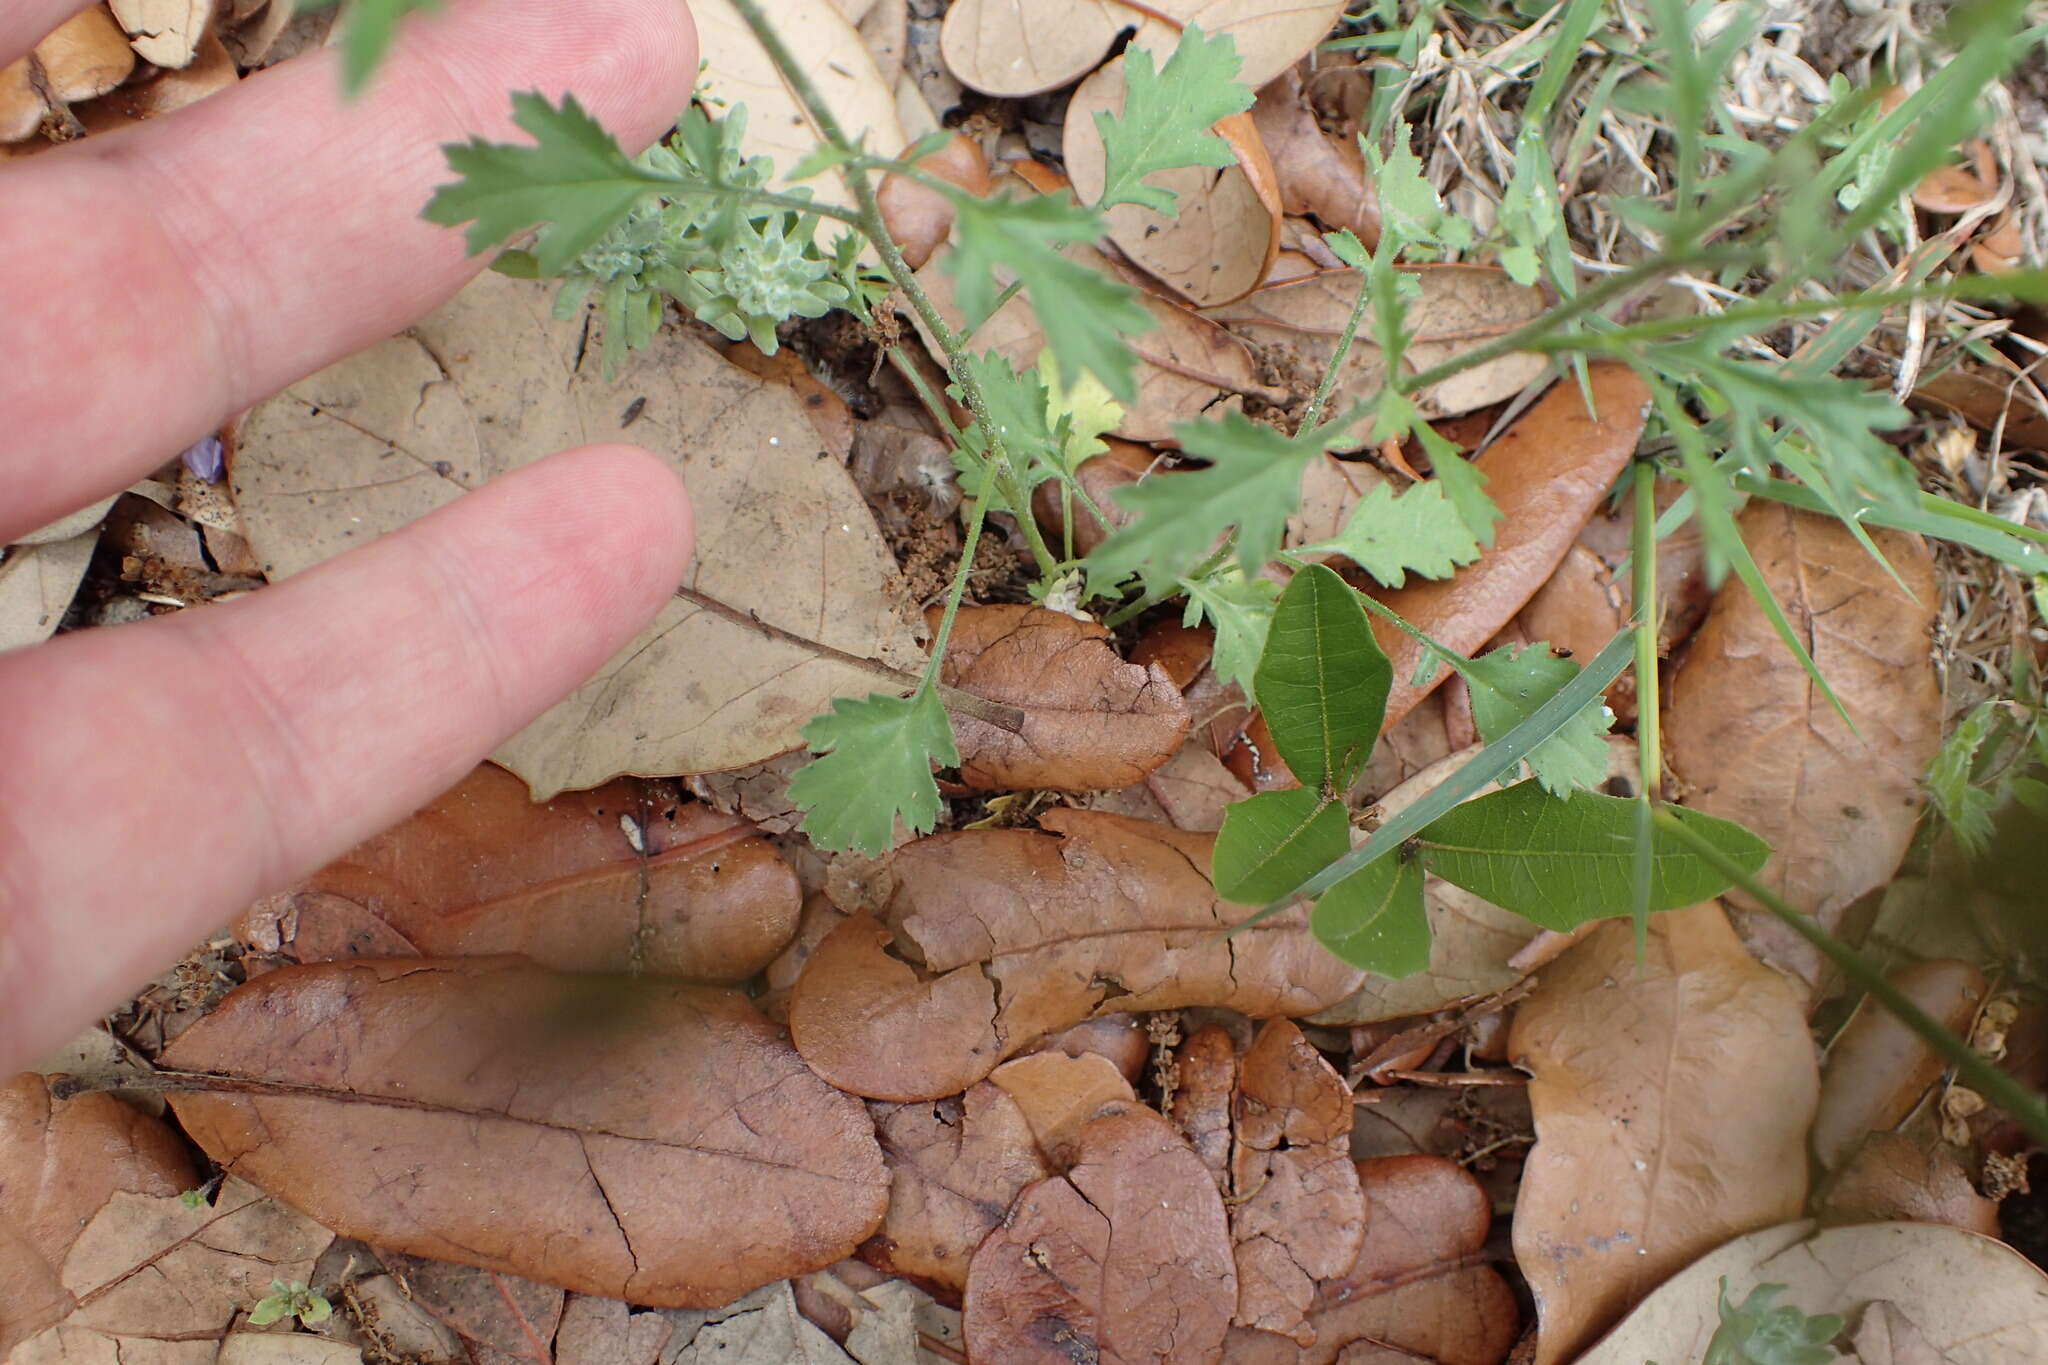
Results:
1649 748
1312 416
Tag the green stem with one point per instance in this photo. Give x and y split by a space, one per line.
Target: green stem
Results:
1010 291
1313 415
955 591
1130 611
1649 745
1998 1086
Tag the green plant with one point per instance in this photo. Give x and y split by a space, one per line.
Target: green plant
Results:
1760 1333
694 221
292 1300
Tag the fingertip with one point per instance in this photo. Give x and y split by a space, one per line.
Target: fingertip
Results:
639 514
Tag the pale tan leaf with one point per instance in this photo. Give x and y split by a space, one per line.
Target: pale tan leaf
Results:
1012 48
284 1348
1878 1068
1271 35
1672 1102
1976 1301
388 435
762 1329
37 583
87 56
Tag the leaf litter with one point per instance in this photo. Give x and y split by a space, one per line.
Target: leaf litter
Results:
387 1073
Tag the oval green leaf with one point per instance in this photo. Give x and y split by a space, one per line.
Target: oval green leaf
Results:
1323 681
1275 841
1375 918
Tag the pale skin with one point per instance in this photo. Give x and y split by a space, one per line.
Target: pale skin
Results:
155 778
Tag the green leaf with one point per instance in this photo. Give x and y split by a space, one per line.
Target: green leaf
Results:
1167 117
371 26
1462 483
1376 919
1420 531
1561 862
574 178
273 1308
1084 312
876 758
1965 803
1079 414
1017 408
1507 686
1273 842
1323 681
1240 610
1252 486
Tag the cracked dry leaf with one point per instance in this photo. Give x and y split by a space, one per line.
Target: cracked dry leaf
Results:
1296 1214
37 583
764 1328
1974 1300
829 50
538 1124
284 1348
1751 739
501 1319
598 1331
60 1163
1125 1259
388 435
1092 722
482 870
1188 366
955 1166
166 32
1896 1178
1461 307
1672 1103
1017 933
1059 1095
1418 1290
1224 232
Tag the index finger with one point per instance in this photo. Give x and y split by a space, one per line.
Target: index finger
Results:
157 280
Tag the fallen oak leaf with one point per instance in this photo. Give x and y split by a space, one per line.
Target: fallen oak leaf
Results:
596 1098
1019 933
621 878
1091 722
1878 1069
1125 1258
1059 1095
1318 174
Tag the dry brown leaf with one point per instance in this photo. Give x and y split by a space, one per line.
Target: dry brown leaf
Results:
284 1348
166 32
1959 189
1672 1102
1577 611
501 1319
1220 240
1886 1336
1990 399
616 879
829 50
388 435
37 583
1461 307
210 72
1271 35
1416 1291
1124 1260
764 1328
85 57
1331 490
1059 1095
598 1331
1120 466
60 1163
1205 1079
1976 1301
1878 1069
1188 366
1019 933
1318 174
495 1114
1547 473
1121 1039
919 217
1751 739
151 1274
827 410
1012 48
955 1165
1091 722
1893 1178
21 104
1194 788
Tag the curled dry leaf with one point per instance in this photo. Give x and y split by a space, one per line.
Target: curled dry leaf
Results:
1637 1169
61 1161
1205 1078
1119 1038
1976 1301
37 583
615 879
1091 721
1019 933
1222 237
1547 473
1188 366
210 72
166 32
85 57
1895 1178
388 435
830 51
1878 1069
21 104
495 1114
1318 175
1125 1258
1418 1290
955 1165
1461 307
1750 738
918 217
1059 1095
1990 398
1271 35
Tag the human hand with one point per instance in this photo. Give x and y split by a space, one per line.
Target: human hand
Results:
157 777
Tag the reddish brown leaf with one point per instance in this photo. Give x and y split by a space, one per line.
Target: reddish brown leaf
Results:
1125 1259
1206 1072
484 870
60 1162
955 1166
1878 1069
918 217
1548 473
1121 1038
1893 1178
1638 1068
1100 476
1020 933
502 1318
1059 1096
1318 174
1091 721
1751 739
503 1116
